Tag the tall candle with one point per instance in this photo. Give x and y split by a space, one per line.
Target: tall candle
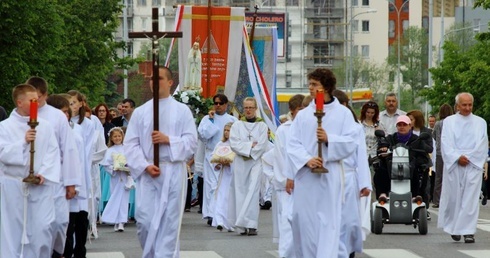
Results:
34 107
319 100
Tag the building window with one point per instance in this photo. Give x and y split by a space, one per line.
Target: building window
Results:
391 5
243 3
289 78
365 26
141 2
321 55
355 50
391 29
365 51
365 2
355 26
156 3
292 2
355 2
406 6
405 24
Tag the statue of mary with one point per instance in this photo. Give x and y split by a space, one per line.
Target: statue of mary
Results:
193 69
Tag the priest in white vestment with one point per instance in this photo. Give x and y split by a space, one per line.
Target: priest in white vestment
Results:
160 190
464 147
248 139
27 211
317 197
211 131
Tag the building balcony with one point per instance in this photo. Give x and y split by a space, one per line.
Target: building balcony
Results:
322 12
313 38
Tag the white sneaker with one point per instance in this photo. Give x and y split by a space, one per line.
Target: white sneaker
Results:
120 227
115 227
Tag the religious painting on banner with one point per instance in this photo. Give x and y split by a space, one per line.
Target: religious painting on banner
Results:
220 45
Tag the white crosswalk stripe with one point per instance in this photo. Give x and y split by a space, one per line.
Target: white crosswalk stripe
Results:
390 253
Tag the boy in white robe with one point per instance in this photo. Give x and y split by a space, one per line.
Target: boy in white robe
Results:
71 176
282 174
27 210
357 183
210 130
248 139
165 185
317 196
464 146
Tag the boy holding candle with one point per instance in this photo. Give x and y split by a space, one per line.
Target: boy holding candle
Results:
317 197
27 210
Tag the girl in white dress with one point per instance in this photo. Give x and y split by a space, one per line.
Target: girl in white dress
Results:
222 155
114 162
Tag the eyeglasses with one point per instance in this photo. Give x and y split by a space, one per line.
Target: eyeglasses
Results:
248 107
219 103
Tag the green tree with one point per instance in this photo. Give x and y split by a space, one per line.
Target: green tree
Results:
68 42
413 60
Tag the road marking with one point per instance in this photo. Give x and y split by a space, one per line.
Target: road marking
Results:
475 253
390 253
105 255
483 224
199 254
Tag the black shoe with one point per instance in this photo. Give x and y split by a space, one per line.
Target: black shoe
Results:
469 239
210 221
244 233
267 205
199 211
456 237
484 200
352 255
187 210
252 232
219 227
435 206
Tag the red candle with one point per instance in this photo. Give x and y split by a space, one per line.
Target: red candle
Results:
319 100
34 107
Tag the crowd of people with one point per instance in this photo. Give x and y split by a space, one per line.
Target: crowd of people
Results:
99 166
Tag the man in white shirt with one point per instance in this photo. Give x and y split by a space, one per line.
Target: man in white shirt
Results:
388 116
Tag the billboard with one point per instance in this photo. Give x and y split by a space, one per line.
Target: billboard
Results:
279 20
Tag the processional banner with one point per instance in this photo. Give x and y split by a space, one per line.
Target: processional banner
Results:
225 40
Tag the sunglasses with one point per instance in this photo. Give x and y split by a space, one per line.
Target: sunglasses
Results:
371 104
219 103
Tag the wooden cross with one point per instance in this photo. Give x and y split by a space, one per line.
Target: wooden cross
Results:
155 35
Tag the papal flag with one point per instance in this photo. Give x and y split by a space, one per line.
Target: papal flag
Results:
218 31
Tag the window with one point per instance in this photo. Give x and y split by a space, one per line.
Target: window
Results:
156 3
141 2
321 55
365 51
405 24
391 29
355 2
365 2
406 6
355 26
365 26
355 50
289 78
391 5
292 3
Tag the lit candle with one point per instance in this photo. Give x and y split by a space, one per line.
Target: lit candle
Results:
319 100
34 107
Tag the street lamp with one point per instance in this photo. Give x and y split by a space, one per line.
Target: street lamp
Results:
351 86
399 36
441 50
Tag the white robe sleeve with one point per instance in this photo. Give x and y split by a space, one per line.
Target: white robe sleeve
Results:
207 129
13 154
363 172
238 145
132 147
50 160
183 146
298 155
99 148
262 142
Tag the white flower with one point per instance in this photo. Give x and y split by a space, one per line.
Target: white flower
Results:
197 110
198 98
185 98
184 94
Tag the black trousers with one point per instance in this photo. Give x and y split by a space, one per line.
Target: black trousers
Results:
78 227
188 198
200 193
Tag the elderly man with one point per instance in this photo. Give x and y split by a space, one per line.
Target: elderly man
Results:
464 151
211 130
388 116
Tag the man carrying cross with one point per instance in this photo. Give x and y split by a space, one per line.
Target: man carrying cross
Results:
160 196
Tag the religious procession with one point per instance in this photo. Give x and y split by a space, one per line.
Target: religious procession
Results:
331 171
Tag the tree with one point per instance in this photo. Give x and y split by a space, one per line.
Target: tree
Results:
164 47
365 74
413 59
68 42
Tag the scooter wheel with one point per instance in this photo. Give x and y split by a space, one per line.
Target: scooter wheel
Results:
378 221
423 229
